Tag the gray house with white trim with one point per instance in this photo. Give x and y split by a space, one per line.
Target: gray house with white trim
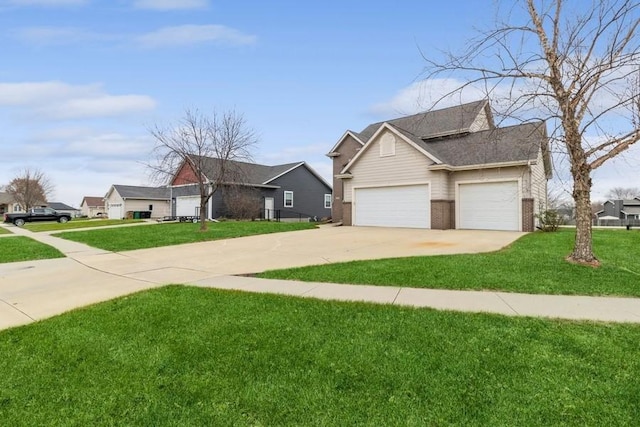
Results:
442 169
292 191
626 211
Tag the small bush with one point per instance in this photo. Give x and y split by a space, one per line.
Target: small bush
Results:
550 220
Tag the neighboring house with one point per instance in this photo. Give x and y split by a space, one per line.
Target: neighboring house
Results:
625 211
92 206
64 208
443 169
121 200
9 205
289 191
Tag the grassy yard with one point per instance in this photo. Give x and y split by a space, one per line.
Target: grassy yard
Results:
20 248
74 224
4 231
188 356
533 264
151 236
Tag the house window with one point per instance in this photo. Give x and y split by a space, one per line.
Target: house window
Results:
288 199
327 201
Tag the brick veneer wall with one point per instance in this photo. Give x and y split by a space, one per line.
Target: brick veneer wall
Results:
442 214
527 215
346 213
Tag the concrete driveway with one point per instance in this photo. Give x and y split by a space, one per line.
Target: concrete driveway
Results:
39 289
324 245
35 290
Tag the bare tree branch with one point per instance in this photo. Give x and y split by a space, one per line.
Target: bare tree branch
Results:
203 150
574 65
30 188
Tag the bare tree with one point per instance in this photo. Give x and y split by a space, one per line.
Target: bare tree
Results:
30 188
621 193
575 65
242 202
193 142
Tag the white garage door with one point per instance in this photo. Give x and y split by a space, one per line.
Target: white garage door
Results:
188 206
115 211
401 206
489 206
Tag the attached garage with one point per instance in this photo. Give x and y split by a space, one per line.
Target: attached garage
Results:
489 206
188 206
115 211
392 206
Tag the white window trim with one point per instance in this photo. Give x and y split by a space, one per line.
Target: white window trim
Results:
327 198
285 199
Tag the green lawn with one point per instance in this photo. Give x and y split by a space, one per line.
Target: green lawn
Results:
20 248
163 234
533 264
74 224
4 231
187 356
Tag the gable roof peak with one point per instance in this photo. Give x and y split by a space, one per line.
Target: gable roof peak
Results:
453 120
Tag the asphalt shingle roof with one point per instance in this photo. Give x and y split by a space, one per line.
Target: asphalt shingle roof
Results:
136 192
247 173
446 135
93 201
498 145
61 206
5 198
432 123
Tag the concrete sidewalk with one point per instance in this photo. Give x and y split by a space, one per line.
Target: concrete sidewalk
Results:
36 290
607 309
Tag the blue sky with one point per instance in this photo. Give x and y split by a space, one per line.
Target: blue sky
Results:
81 81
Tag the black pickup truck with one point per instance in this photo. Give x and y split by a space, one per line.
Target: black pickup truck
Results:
36 214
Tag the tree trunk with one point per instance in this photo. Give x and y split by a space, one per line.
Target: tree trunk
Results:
583 247
203 215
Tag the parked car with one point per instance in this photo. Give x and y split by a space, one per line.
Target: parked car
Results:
37 214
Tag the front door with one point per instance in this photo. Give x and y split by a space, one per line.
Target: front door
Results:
268 208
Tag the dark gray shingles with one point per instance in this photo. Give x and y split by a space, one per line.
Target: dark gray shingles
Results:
499 145
246 173
137 192
60 206
432 123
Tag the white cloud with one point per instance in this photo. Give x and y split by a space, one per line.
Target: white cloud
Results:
110 146
59 100
422 95
99 106
170 4
185 35
28 93
82 161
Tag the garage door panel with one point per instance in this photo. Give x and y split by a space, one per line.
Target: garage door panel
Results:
187 205
398 206
489 206
115 211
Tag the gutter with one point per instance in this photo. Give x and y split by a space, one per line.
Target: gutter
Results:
481 166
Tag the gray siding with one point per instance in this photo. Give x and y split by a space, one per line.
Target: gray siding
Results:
308 194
